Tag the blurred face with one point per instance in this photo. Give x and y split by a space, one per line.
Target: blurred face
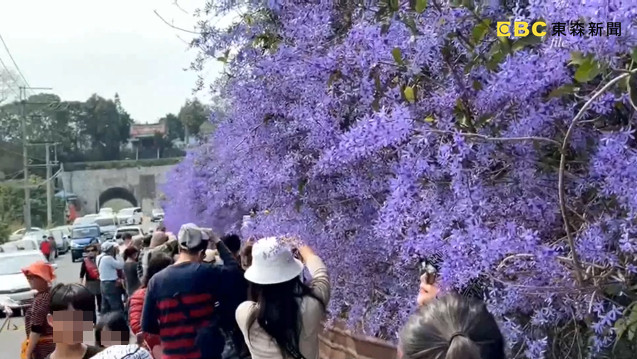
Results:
70 326
37 283
428 289
91 252
110 338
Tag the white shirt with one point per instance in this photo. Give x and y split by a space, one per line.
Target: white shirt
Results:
262 346
131 351
108 266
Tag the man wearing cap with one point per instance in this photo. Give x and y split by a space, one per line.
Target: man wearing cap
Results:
108 264
183 301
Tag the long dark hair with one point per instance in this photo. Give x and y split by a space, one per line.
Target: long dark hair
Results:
278 311
452 327
157 262
115 322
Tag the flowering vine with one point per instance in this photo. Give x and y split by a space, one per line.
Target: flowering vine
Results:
384 131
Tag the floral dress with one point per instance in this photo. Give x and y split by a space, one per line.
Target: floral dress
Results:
35 320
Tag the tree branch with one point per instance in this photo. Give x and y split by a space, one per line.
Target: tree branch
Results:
176 3
175 27
499 139
560 178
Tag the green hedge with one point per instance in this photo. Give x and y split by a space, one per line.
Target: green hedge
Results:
100 165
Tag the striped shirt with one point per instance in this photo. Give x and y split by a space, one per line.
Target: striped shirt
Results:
179 306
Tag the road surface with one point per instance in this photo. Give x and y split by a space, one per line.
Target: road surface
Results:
11 338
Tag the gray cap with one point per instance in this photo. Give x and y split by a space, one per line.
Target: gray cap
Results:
107 246
190 236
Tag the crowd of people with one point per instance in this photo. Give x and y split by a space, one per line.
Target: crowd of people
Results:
200 296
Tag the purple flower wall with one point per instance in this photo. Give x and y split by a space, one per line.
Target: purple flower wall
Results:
379 134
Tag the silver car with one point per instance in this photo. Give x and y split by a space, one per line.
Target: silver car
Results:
13 283
61 235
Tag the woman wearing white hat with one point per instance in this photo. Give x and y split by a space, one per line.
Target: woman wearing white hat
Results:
283 319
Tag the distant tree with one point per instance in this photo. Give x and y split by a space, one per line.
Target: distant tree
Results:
125 121
174 127
102 125
192 114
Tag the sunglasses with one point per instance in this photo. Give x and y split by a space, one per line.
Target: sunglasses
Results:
429 271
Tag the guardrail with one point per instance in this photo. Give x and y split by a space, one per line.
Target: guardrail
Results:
336 342
100 165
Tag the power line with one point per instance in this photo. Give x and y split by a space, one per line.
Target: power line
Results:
20 154
13 60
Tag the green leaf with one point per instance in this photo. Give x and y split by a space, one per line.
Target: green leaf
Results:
429 119
379 87
563 90
333 77
477 85
588 70
526 41
384 28
411 24
421 5
480 31
633 55
496 55
409 94
301 186
398 56
632 90
620 328
376 104
394 5
577 58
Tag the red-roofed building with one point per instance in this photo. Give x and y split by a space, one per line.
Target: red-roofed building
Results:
148 139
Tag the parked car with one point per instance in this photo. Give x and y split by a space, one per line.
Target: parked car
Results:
13 283
157 215
19 245
81 236
130 216
62 237
133 230
108 226
21 232
27 245
106 211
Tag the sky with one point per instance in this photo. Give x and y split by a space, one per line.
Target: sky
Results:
82 47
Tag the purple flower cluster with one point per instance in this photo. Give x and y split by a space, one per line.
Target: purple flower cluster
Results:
321 131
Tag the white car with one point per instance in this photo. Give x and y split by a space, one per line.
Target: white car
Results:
62 237
19 245
157 215
130 216
88 219
39 236
133 230
13 283
108 226
21 232
106 210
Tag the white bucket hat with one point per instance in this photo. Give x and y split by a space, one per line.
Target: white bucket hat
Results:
272 263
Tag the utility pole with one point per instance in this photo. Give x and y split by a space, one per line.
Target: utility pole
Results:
49 210
25 153
25 159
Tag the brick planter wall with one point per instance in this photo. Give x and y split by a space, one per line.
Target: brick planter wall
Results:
336 342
